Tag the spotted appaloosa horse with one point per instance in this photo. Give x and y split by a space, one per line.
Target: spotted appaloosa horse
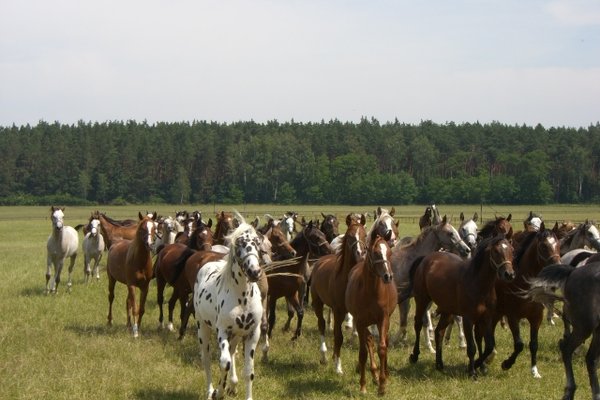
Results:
62 243
227 301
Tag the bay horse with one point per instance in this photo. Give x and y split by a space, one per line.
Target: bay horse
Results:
329 226
62 243
328 284
168 268
130 262
225 224
461 287
499 225
114 232
580 289
227 301
537 250
431 239
93 248
371 298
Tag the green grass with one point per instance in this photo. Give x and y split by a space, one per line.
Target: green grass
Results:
59 346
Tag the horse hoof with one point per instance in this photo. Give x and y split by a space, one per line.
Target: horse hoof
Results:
413 358
506 365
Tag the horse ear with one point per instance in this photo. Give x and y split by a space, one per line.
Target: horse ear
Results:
475 217
324 216
509 217
348 219
509 234
209 224
462 216
140 217
444 220
363 219
255 223
555 227
542 227
392 211
236 223
378 211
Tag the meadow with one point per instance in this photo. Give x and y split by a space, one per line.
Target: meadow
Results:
59 346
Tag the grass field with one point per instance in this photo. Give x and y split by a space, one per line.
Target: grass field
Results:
59 346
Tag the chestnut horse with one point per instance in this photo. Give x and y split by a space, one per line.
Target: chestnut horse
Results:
130 262
329 278
169 265
113 231
461 287
226 223
499 225
371 298
537 250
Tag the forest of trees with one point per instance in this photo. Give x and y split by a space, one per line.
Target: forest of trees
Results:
298 163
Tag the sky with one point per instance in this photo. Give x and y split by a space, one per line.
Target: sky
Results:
462 61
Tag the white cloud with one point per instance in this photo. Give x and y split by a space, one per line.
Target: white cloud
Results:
575 12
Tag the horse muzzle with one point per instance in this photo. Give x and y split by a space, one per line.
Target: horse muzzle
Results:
387 278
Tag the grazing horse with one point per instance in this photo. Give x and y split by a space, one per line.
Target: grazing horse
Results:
169 265
93 247
114 232
329 278
227 301
330 226
62 243
580 289
537 250
431 239
130 262
461 287
371 298
468 230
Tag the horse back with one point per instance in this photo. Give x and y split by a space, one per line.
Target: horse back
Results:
196 262
439 276
322 273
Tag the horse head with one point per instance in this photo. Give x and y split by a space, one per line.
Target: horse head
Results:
354 242
330 226
245 245
316 240
57 214
281 246
468 230
146 230
449 238
501 257
378 258
202 237
385 225
592 236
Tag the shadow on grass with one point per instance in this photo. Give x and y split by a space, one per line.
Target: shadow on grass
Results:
151 394
38 291
426 369
94 330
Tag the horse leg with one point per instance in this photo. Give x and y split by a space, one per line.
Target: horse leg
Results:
86 267
468 327
348 321
318 309
591 362
249 350
489 342
429 331
189 310
132 311
534 328
448 334
297 304
57 272
160 298
71 266
290 314
204 340
97 265
383 328
141 309
461 333
172 304
404 309
418 325
440 330
272 305
338 340
513 324
549 312
567 346
111 296
362 355
225 361
232 378
49 265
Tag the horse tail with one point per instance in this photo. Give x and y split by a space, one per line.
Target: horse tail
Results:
179 264
78 227
544 285
407 291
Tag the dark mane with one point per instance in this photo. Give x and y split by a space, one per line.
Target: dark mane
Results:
525 242
489 227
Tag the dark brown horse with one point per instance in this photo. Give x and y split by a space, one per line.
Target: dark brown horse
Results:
537 250
371 298
499 225
329 226
130 262
113 231
169 266
461 287
329 278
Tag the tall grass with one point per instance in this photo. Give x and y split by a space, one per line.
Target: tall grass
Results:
59 346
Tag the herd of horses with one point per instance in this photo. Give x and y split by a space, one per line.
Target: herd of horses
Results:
230 279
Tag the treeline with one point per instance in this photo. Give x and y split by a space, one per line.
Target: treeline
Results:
290 163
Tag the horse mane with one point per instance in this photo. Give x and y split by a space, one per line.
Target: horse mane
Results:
488 228
384 214
341 253
525 242
242 228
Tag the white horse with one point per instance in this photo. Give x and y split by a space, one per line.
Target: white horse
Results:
63 242
227 301
287 224
93 247
167 231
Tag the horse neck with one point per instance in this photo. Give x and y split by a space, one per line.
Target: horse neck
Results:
347 256
220 232
482 277
300 244
530 263
140 255
428 243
